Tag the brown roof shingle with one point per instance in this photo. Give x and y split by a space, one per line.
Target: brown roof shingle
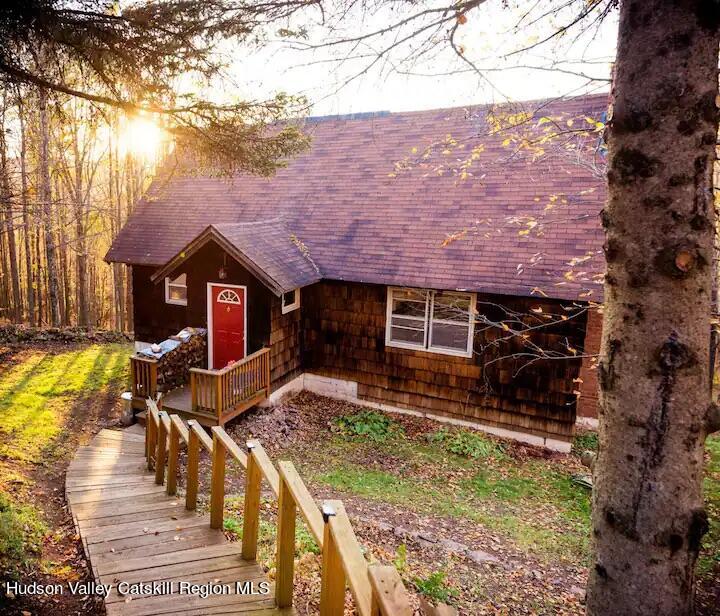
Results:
376 198
266 247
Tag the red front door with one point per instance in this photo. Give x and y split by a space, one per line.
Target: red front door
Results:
227 305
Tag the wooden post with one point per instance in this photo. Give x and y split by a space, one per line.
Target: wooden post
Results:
332 582
161 454
193 461
193 391
218 398
217 487
172 465
133 378
152 386
150 438
251 510
267 374
285 559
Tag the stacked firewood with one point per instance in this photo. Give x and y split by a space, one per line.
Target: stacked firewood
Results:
174 366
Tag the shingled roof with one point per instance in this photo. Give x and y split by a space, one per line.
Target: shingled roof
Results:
444 199
266 247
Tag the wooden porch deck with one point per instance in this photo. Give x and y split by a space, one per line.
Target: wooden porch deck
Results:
212 397
132 531
180 401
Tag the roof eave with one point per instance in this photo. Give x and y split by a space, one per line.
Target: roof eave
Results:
210 233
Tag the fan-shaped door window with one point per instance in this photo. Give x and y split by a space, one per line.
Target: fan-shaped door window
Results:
228 296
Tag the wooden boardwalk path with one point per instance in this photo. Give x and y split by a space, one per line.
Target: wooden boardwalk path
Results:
133 532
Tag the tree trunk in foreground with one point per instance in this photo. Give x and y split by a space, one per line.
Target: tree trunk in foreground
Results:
648 514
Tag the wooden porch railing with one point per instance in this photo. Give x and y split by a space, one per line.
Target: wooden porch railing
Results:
220 391
377 590
144 373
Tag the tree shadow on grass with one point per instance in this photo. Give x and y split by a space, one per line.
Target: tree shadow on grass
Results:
97 406
24 408
36 410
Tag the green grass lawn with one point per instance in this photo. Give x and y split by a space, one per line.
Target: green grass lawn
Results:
40 392
532 501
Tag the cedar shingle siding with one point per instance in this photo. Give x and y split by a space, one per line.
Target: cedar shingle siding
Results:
344 337
285 345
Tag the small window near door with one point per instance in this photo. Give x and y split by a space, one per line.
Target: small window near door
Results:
290 301
176 290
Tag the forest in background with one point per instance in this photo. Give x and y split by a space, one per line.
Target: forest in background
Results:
70 174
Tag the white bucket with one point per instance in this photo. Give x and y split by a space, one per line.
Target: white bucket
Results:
127 416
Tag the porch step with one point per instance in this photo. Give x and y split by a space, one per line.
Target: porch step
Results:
136 428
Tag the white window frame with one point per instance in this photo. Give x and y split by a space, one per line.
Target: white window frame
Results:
428 321
290 307
169 283
416 346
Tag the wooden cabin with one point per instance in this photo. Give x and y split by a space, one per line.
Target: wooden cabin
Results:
414 262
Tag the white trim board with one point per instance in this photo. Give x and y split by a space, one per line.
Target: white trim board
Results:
294 305
208 307
347 390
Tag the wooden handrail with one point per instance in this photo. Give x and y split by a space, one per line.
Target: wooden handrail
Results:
266 466
230 445
304 500
143 375
180 428
177 431
351 557
233 365
204 439
219 391
376 590
151 432
389 594
196 437
161 455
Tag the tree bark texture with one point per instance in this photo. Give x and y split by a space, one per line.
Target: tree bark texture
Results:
26 215
7 204
648 515
53 299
